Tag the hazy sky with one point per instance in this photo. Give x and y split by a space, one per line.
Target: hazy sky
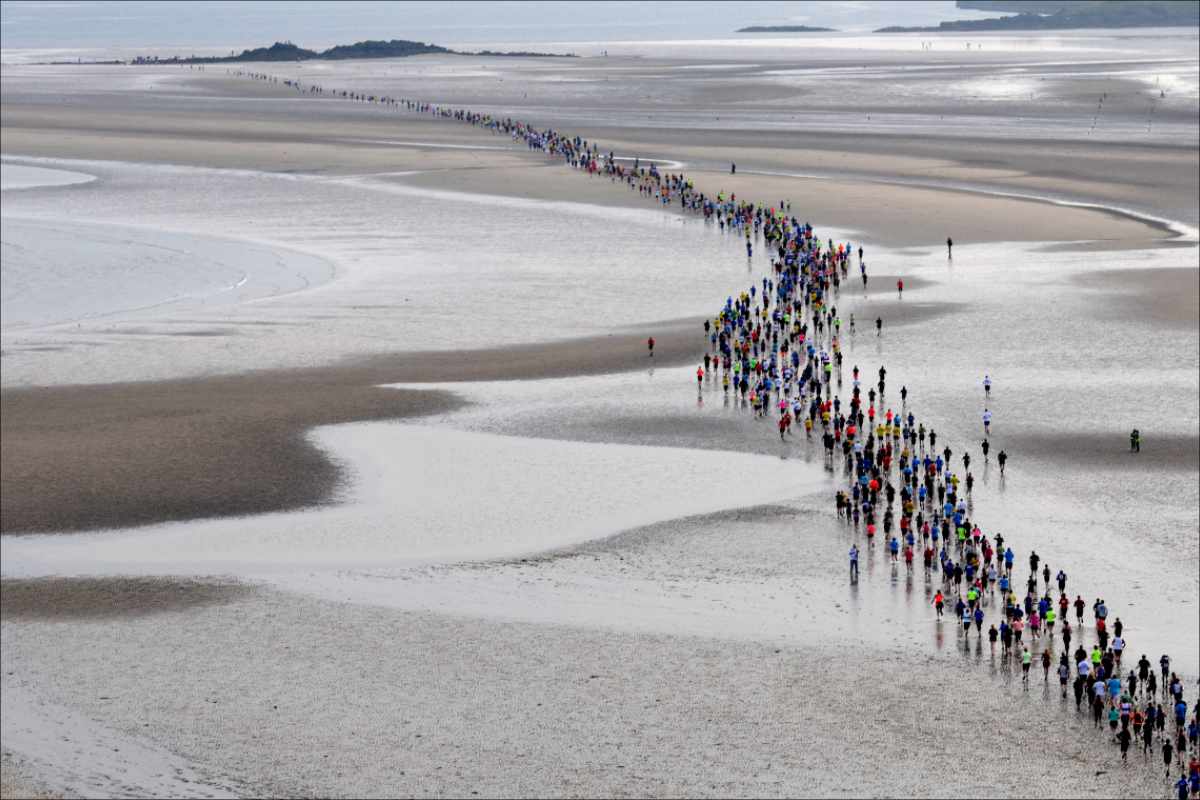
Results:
203 24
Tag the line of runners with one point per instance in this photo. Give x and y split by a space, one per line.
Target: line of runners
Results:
776 348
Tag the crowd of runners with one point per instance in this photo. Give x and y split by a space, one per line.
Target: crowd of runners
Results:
776 349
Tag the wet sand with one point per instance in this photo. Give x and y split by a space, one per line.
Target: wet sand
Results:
117 455
1166 296
877 212
18 783
862 179
896 312
374 702
57 599
1131 172
367 700
1172 452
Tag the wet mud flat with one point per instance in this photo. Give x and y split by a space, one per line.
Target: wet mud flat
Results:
1161 296
362 701
93 457
59 599
711 656
1174 452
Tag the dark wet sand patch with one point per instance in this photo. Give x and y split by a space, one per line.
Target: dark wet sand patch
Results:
240 323
105 598
199 333
1111 245
675 342
896 312
730 433
881 284
1168 296
732 429
1170 452
629 540
90 457
117 455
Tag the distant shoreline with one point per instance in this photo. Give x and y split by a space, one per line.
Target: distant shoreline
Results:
1058 16
286 51
784 29
289 52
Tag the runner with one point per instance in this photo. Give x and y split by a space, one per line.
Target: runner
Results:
1124 738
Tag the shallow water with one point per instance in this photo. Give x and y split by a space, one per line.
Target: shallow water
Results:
523 270
69 271
1138 87
23 176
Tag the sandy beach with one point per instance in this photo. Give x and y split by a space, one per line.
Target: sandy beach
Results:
218 472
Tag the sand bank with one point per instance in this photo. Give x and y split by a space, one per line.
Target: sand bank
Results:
1165 450
100 598
875 212
1164 296
90 457
326 136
